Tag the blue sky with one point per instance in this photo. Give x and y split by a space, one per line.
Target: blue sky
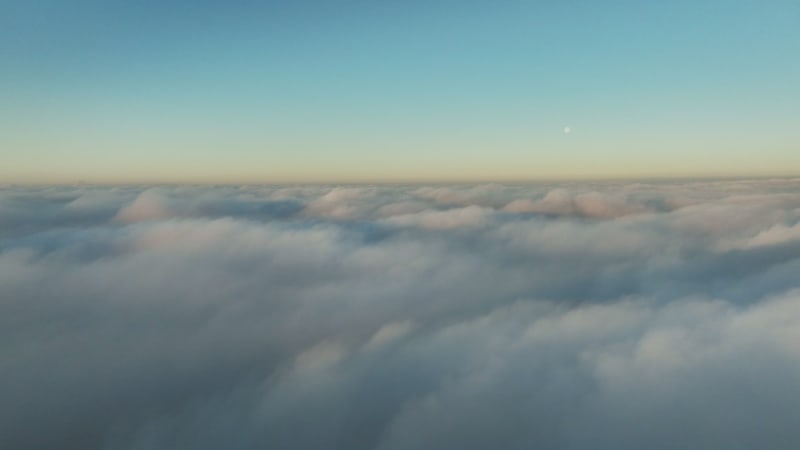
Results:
246 91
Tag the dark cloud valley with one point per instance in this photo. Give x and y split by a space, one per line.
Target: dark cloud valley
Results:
559 316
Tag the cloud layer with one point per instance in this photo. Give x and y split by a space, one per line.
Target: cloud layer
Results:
564 316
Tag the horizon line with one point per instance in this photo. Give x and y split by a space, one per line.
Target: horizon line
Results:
421 181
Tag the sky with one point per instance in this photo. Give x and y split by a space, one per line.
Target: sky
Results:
334 91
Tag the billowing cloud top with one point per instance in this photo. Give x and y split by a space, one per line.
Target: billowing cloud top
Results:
564 316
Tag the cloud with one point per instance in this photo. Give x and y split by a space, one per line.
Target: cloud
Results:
149 205
470 216
605 315
777 234
338 203
589 204
389 333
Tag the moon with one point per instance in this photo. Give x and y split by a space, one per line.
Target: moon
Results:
567 130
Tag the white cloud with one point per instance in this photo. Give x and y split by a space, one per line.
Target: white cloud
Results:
552 316
470 216
149 205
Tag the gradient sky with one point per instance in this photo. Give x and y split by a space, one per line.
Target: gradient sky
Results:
310 90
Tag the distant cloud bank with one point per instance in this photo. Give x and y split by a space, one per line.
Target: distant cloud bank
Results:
557 316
